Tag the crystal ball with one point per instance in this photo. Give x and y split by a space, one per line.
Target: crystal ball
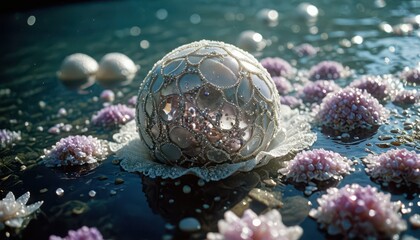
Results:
207 103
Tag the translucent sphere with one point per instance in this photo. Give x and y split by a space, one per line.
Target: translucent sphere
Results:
251 41
207 103
77 70
116 69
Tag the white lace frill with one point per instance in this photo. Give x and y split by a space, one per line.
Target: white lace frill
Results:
294 135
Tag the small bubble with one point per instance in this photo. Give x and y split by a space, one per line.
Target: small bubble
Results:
92 193
135 31
31 20
144 44
195 18
162 14
201 182
186 189
59 192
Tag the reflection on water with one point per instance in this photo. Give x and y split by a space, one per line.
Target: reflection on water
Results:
367 36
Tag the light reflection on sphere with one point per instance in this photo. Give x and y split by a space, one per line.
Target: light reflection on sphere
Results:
207 103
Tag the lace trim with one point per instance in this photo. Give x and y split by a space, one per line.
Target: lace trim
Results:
295 135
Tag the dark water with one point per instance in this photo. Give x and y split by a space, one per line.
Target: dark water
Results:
144 208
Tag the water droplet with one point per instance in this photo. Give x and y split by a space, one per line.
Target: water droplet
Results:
186 189
92 193
59 192
189 224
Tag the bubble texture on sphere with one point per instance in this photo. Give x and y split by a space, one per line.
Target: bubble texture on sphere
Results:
207 103
357 212
76 150
317 164
349 109
77 66
397 165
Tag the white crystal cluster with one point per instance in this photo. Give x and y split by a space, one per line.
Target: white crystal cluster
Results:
13 212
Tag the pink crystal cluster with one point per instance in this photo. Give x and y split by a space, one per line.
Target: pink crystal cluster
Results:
396 165
282 84
358 212
113 115
277 66
327 70
407 97
314 92
268 226
317 164
349 109
291 101
375 85
305 49
8 137
76 150
412 76
83 233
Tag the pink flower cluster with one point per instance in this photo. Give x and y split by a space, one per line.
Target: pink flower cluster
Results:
358 212
327 70
277 66
314 92
76 150
349 109
375 85
317 164
397 165
113 115
83 233
253 227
